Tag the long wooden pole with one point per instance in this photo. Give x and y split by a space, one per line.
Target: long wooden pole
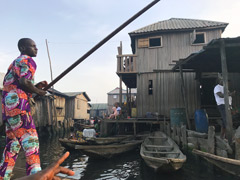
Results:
229 132
50 63
101 43
184 97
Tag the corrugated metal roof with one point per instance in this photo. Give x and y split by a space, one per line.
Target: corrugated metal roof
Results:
73 94
54 91
1 79
179 24
208 59
99 106
68 94
117 91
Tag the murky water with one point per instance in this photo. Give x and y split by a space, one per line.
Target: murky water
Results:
124 167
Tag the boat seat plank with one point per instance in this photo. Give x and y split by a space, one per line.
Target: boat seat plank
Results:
153 137
157 146
155 152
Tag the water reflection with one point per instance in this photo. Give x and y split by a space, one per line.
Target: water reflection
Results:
121 167
127 166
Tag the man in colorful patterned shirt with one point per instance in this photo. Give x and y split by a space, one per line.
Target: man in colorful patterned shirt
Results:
18 86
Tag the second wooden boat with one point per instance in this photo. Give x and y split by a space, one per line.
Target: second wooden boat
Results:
109 150
70 143
161 153
231 166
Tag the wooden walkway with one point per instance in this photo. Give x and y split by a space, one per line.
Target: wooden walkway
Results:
134 121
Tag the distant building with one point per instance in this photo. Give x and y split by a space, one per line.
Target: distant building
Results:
77 105
114 96
98 110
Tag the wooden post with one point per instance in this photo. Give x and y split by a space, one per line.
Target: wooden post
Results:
130 103
120 91
184 98
50 63
164 124
184 135
174 133
178 137
127 102
229 128
211 139
237 144
134 129
168 130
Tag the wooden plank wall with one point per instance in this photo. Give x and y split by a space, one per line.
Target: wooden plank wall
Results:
70 104
81 111
175 46
44 112
166 93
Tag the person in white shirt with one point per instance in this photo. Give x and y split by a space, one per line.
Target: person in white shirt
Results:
118 108
219 97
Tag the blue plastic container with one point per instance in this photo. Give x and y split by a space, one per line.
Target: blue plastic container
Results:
201 121
178 117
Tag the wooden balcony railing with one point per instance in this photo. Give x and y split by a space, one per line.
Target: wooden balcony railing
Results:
126 63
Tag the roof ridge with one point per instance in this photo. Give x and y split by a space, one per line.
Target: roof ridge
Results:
179 23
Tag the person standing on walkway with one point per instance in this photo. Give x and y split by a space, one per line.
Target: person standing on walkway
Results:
219 97
18 86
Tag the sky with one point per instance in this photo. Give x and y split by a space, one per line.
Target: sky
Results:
73 27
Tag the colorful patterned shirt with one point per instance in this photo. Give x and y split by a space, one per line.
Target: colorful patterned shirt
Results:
14 98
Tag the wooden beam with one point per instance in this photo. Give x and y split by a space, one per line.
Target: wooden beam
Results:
226 45
120 91
229 128
184 98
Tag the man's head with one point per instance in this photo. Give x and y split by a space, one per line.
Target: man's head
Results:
27 47
116 104
220 81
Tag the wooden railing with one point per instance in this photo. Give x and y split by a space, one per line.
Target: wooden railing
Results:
126 63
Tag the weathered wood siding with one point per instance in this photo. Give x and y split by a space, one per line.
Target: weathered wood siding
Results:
81 107
175 46
166 93
44 114
70 104
59 103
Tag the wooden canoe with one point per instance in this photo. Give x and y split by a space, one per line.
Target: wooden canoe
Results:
109 150
70 143
161 153
231 166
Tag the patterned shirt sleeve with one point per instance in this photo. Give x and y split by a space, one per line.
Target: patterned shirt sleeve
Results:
24 68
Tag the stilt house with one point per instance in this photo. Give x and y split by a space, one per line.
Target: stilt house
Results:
156 48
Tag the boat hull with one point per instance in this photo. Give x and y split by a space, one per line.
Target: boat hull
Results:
161 153
231 166
107 151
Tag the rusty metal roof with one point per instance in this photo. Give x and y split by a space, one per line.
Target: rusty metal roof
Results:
179 24
74 94
117 91
209 59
